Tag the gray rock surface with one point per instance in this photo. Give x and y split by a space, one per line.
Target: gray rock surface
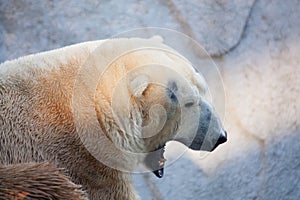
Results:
217 25
33 26
256 45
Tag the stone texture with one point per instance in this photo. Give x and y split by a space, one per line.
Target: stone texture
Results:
29 27
264 71
281 171
217 25
258 53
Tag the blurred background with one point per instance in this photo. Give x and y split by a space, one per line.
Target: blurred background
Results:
255 43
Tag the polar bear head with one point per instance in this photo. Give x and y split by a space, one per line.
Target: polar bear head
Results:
148 94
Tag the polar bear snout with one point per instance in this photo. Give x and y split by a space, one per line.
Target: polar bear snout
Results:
210 133
207 141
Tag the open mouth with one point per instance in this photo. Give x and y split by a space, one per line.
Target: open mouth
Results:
156 161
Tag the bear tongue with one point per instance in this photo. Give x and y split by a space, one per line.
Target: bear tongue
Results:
156 161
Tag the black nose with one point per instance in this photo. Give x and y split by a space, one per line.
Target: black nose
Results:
222 139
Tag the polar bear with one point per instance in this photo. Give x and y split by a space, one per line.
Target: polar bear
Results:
101 108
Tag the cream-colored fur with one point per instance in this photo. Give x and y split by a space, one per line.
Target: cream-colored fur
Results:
49 102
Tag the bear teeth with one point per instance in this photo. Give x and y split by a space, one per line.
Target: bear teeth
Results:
161 162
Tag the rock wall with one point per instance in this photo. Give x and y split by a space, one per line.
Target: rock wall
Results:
256 45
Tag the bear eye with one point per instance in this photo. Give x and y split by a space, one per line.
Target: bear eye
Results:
189 104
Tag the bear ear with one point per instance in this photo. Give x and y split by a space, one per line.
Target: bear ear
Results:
201 82
157 38
138 85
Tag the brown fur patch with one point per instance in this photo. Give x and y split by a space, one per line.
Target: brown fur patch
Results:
37 181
